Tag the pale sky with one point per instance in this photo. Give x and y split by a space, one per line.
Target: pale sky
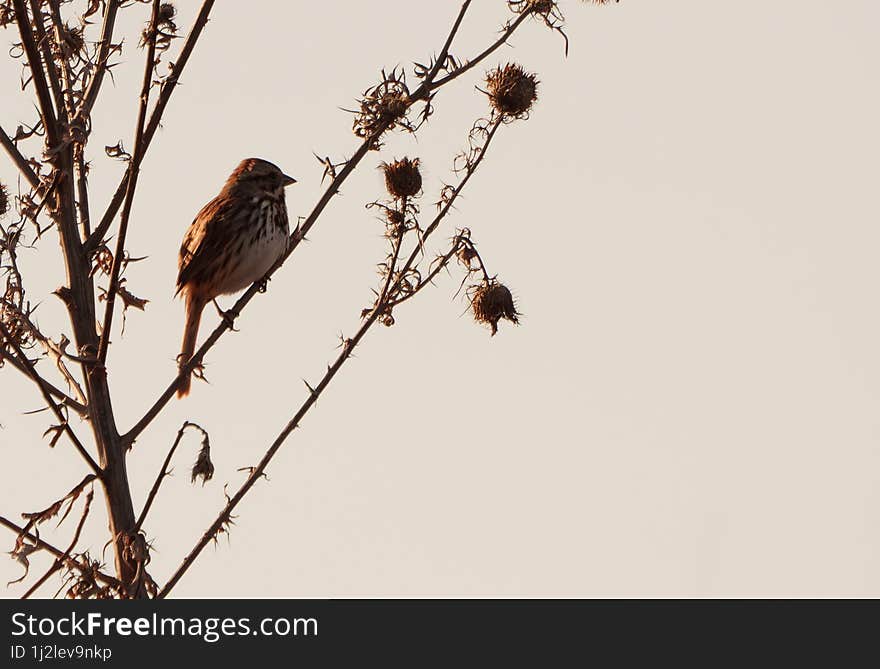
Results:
689 221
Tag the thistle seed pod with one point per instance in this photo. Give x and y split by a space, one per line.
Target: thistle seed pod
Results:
512 91
402 177
492 301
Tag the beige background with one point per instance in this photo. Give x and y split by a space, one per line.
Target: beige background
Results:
689 221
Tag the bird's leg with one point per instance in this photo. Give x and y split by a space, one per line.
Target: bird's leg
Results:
228 316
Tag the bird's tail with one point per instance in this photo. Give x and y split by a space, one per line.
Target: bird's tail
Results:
194 307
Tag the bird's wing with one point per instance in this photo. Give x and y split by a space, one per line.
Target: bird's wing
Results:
202 242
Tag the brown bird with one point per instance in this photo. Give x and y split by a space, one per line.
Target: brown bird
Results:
234 241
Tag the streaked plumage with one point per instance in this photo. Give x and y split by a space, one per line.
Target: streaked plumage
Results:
234 241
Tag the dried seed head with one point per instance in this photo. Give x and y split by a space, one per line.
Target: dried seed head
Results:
72 41
394 217
396 223
382 108
402 177
167 12
4 200
512 90
490 302
203 468
392 106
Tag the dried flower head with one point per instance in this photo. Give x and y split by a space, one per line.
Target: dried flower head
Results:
203 468
72 42
402 177
512 90
4 199
382 108
166 28
490 302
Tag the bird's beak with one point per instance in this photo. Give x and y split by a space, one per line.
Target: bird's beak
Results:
288 181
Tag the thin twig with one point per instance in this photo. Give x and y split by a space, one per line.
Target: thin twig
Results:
82 189
91 94
439 265
64 398
19 160
133 172
61 560
49 61
47 395
66 93
501 41
472 168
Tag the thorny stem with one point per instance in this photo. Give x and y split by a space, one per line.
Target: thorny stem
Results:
19 160
131 184
397 243
451 200
47 395
66 93
348 346
440 264
508 31
43 545
49 61
82 189
91 94
61 560
422 93
64 398
27 39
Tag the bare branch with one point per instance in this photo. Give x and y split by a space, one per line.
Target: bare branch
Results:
44 545
48 60
162 474
19 160
64 398
501 41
